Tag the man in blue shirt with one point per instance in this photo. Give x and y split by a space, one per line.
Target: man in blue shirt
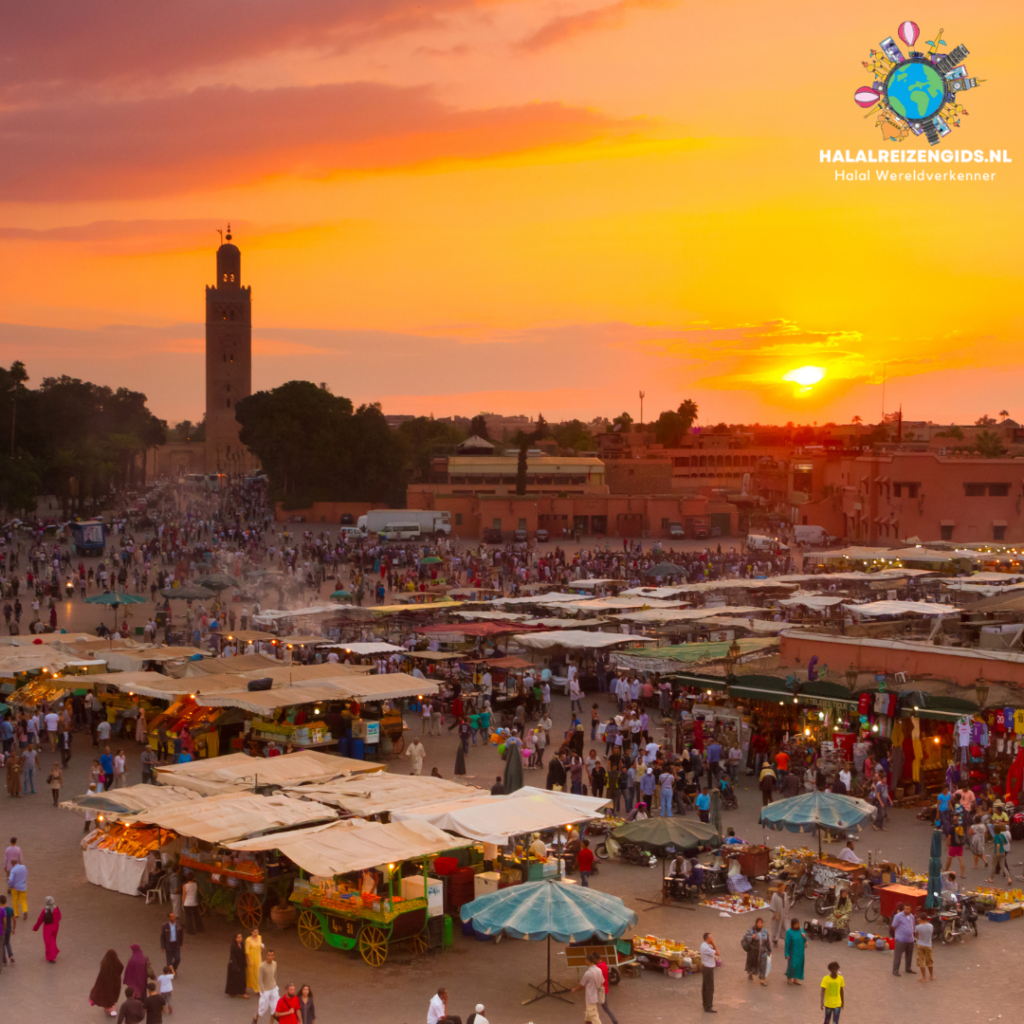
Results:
714 757
7 734
943 800
903 928
107 765
647 785
704 805
17 883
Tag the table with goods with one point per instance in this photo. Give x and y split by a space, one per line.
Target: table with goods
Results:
236 886
203 723
674 958
117 856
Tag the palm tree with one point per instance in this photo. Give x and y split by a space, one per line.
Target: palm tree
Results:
1005 413
857 419
989 445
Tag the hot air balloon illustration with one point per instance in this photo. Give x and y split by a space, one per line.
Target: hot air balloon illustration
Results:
866 96
909 32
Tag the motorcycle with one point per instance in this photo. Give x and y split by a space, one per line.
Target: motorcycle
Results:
958 916
630 853
825 900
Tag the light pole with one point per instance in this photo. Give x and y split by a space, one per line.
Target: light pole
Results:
642 396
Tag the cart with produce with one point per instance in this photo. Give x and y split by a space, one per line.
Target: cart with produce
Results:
363 885
237 889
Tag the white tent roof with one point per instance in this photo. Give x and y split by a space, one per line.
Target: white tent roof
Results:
875 609
221 819
576 639
690 614
495 819
353 845
816 602
134 799
555 597
232 772
366 795
366 648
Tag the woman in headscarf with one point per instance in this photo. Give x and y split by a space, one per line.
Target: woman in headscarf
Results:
140 727
842 911
49 921
253 959
137 970
13 766
107 989
758 946
236 969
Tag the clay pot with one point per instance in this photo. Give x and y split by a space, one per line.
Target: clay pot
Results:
283 915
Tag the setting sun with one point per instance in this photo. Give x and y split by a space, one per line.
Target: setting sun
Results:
806 376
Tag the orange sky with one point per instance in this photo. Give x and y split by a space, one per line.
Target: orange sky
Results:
530 206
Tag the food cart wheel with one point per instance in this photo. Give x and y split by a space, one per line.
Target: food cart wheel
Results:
373 945
249 909
419 943
613 976
310 933
204 905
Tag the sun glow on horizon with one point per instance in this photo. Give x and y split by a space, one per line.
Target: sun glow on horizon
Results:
806 376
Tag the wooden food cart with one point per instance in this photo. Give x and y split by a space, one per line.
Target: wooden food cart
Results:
237 889
352 893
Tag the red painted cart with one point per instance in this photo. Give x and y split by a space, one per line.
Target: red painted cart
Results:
911 897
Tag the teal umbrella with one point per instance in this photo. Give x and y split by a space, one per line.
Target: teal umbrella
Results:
550 910
430 560
934 897
814 811
341 595
665 569
115 600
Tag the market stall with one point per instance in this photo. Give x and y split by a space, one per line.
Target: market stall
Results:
381 792
356 889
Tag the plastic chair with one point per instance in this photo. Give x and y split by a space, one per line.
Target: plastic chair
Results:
159 893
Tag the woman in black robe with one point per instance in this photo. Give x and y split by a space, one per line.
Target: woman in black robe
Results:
107 990
236 969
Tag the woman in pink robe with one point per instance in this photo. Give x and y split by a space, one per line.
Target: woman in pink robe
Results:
49 920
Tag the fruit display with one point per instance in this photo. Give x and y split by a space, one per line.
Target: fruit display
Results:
999 898
38 692
247 870
133 840
667 951
744 903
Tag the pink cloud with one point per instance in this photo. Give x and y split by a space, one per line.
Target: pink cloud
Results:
569 26
224 135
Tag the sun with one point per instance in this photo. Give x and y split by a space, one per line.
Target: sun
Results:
806 376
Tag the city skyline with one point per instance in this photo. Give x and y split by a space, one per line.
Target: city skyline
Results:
511 206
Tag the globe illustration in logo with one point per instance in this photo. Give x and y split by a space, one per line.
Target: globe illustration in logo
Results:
915 90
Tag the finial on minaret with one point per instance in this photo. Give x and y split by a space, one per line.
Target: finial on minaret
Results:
229 233
221 233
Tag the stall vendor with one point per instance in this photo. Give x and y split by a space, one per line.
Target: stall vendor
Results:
849 854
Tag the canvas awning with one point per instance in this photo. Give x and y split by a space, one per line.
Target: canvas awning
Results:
343 847
366 795
577 639
877 609
263 701
233 772
495 819
120 803
670 657
232 816
366 648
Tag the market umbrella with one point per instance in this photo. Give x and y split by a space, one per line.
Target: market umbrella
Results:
549 910
341 595
188 593
115 600
513 768
814 811
716 810
934 899
460 761
218 581
663 836
259 574
430 560
665 569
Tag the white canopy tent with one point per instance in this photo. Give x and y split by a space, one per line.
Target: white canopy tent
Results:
365 648
877 609
814 602
577 639
381 792
343 847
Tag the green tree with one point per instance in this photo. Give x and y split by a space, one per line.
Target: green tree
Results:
671 427
478 427
989 445
574 435
422 438
985 421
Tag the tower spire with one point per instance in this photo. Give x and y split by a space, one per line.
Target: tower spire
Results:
228 236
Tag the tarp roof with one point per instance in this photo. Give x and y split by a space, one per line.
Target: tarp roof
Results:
875 609
474 628
577 639
689 614
118 803
494 819
816 602
221 819
649 659
366 795
127 660
363 648
258 663
354 845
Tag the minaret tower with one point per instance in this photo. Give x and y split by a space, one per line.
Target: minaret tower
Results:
228 360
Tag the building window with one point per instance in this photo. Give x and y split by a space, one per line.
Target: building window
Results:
945 533
999 533
496 523
974 490
458 518
522 524
910 489
999 490
664 524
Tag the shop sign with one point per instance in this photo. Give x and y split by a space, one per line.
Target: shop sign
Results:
880 679
372 733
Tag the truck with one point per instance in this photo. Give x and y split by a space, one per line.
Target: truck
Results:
431 521
758 542
817 536
88 538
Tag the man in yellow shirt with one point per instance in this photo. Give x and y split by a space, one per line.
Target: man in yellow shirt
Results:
832 993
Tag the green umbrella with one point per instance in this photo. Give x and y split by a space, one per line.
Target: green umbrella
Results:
430 560
188 593
665 569
217 581
814 811
115 600
668 835
934 897
341 595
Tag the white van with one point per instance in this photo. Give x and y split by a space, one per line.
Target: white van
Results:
402 531
760 542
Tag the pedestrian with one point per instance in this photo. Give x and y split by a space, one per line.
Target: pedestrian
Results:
307 1011
7 925
55 780
171 939
29 763
174 889
267 984
704 805
758 948
165 986
11 854
119 774
881 799
437 1011
592 985
955 849
287 1009
796 940
49 921
585 862
12 766
833 993
779 906
107 988
923 933
190 901
235 985
154 1004
766 783
708 963
138 969
132 1011
17 886
416 753
1000 862
903 930
253 959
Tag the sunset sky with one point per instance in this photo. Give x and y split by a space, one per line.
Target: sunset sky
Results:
516 206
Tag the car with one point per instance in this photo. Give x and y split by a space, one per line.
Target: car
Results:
520 536
716 531
541 535
493 536
350 533
675 531
701 532
347 519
